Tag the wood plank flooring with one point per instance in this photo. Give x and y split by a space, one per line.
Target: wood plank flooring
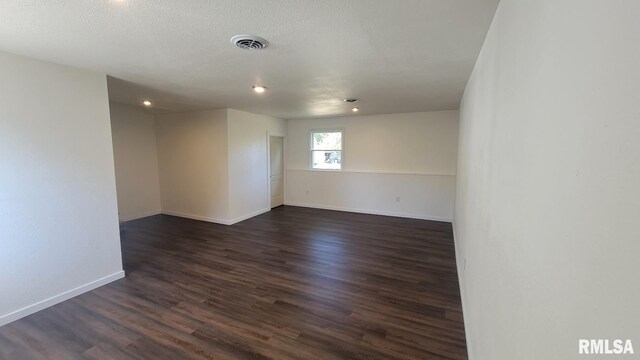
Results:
294 283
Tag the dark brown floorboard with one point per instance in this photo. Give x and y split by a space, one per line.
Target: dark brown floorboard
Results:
294 283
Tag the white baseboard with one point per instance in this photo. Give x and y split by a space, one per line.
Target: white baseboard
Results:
371 212
26 311
460 269
214 220
196 217
140 216
248 216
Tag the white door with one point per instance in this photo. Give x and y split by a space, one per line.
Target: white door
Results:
276 154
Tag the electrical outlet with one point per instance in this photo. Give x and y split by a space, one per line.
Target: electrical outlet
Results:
398 199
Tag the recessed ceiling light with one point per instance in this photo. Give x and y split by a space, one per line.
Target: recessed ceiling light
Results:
355 109
146 103
259 88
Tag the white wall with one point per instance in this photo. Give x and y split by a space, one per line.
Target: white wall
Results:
248 162
136 161
547 199
58 214
193 165
395 164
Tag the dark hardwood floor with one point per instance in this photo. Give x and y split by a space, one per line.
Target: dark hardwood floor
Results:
294 283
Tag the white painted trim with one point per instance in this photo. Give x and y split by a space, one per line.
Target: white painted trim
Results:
276 133
370 172
26 311
140 216
372 212
196 217
216 221
248 216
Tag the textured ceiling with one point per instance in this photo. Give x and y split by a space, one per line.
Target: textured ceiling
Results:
395 55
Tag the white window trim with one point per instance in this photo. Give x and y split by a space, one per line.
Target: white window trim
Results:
311 149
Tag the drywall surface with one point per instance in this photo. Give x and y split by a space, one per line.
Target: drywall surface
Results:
193 166
547 202
395 164
58 212
248 162
136 161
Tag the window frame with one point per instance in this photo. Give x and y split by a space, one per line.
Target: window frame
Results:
311 149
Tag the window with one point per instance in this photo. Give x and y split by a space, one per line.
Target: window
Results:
326 149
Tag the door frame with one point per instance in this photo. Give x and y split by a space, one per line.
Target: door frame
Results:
284 166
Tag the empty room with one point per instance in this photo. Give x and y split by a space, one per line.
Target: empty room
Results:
335 179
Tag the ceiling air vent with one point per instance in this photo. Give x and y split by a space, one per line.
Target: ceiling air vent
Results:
249 42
